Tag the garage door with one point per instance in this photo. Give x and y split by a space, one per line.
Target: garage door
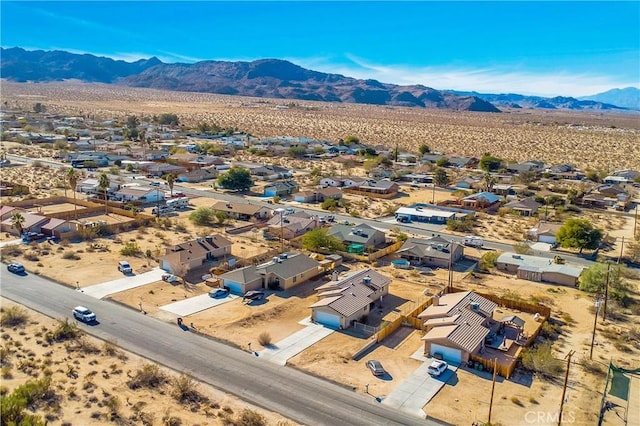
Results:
449 354
234 287
550 239
327 319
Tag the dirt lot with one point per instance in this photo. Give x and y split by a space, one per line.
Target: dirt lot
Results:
89 381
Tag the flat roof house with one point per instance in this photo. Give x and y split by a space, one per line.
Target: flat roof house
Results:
349 298
538 269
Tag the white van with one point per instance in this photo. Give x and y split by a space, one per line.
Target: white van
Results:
472 241
164 210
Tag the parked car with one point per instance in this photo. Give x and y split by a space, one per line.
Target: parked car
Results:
170 278
376 367
218 292
83 314
437 367
16 268
124 267
154 183
253 295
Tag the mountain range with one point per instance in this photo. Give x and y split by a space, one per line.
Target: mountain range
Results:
629 97
272 78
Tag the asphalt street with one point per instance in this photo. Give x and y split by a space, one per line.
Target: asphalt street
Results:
301 397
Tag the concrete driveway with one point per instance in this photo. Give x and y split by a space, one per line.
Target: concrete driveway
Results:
418 389
196 304
121 284
279 353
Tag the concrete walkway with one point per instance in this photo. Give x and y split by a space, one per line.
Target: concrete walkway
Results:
196 304
11 243
417 390
121 284
291 346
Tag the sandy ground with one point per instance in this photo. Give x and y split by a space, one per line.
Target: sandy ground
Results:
84 383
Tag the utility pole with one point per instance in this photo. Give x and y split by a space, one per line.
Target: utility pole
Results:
595 321
606 294
493 386
621 250
564 388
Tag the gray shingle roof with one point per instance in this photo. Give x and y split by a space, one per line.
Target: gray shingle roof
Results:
435 247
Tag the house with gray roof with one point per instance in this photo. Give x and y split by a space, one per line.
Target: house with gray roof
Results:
361 234
349 298
284 272
435 252
457 325
292 225
539 269
281 188
526 207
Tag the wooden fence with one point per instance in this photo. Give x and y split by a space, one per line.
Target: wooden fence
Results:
503 369
389 328
370 194
520 305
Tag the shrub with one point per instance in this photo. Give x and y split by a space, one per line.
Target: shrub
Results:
464 225
14 316
488 260
131 249
517 401
250 418
69 255
149 376
64 331
540 360
185 390
264 338
202 216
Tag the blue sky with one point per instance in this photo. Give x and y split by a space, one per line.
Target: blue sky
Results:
543 48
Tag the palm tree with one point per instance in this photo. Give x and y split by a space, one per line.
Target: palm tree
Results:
103 184
73 176
489 181
170 178
17 220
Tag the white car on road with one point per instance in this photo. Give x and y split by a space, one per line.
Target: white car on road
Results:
83 314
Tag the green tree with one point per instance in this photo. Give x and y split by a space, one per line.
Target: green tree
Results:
579 233
236 179
17 219
488 260
330 204
368 152
318 150
351 139
490 163
440 177
103 184
168 119
593 175
39 108
594 278
319 239
527 177
297 151
443 162
221 217
72 177
489 181
170 178
423 149
202 216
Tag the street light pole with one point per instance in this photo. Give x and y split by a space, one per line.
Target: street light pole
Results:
564 388
595 321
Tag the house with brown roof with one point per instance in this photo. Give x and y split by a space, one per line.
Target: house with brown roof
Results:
32 223
242 211
284 272
544 232
318 195
457 325
192 254
431 252
349 298
57 227
527 207
7 211
292 225
380 187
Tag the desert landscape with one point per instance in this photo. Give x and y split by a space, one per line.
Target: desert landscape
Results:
590 140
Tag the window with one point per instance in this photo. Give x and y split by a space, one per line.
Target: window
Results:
295 279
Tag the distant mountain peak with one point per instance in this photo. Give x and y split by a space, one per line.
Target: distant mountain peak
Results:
628 97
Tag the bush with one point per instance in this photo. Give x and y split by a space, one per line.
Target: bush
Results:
264 338
14 316
70 255
488 260
185 390
64 331
250 418
464 225
131 249
149 376
539 359
202 216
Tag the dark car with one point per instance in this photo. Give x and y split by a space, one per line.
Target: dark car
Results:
218 292
376 367
16 268
253 295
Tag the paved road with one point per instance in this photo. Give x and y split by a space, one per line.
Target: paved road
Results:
296 395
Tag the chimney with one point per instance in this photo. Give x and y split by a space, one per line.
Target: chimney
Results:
436 300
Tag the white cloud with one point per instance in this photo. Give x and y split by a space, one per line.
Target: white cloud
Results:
483 80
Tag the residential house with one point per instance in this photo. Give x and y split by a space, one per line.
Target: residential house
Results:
144 194
607 195
350 298
432 158
318 195
292 225
481 200
353 181
538 269
281 188
242 211
358 238
435 252
463 162
92 186
57 227
32 223
622 177
527 207
417 178
504 190
527 166
285 272
7 211
192 160
544 232
198 175
430 213
271 172
380 187
468 182
331 181
184 257
565 171
161 169
457 325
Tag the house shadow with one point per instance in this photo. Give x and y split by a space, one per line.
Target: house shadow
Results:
256 302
